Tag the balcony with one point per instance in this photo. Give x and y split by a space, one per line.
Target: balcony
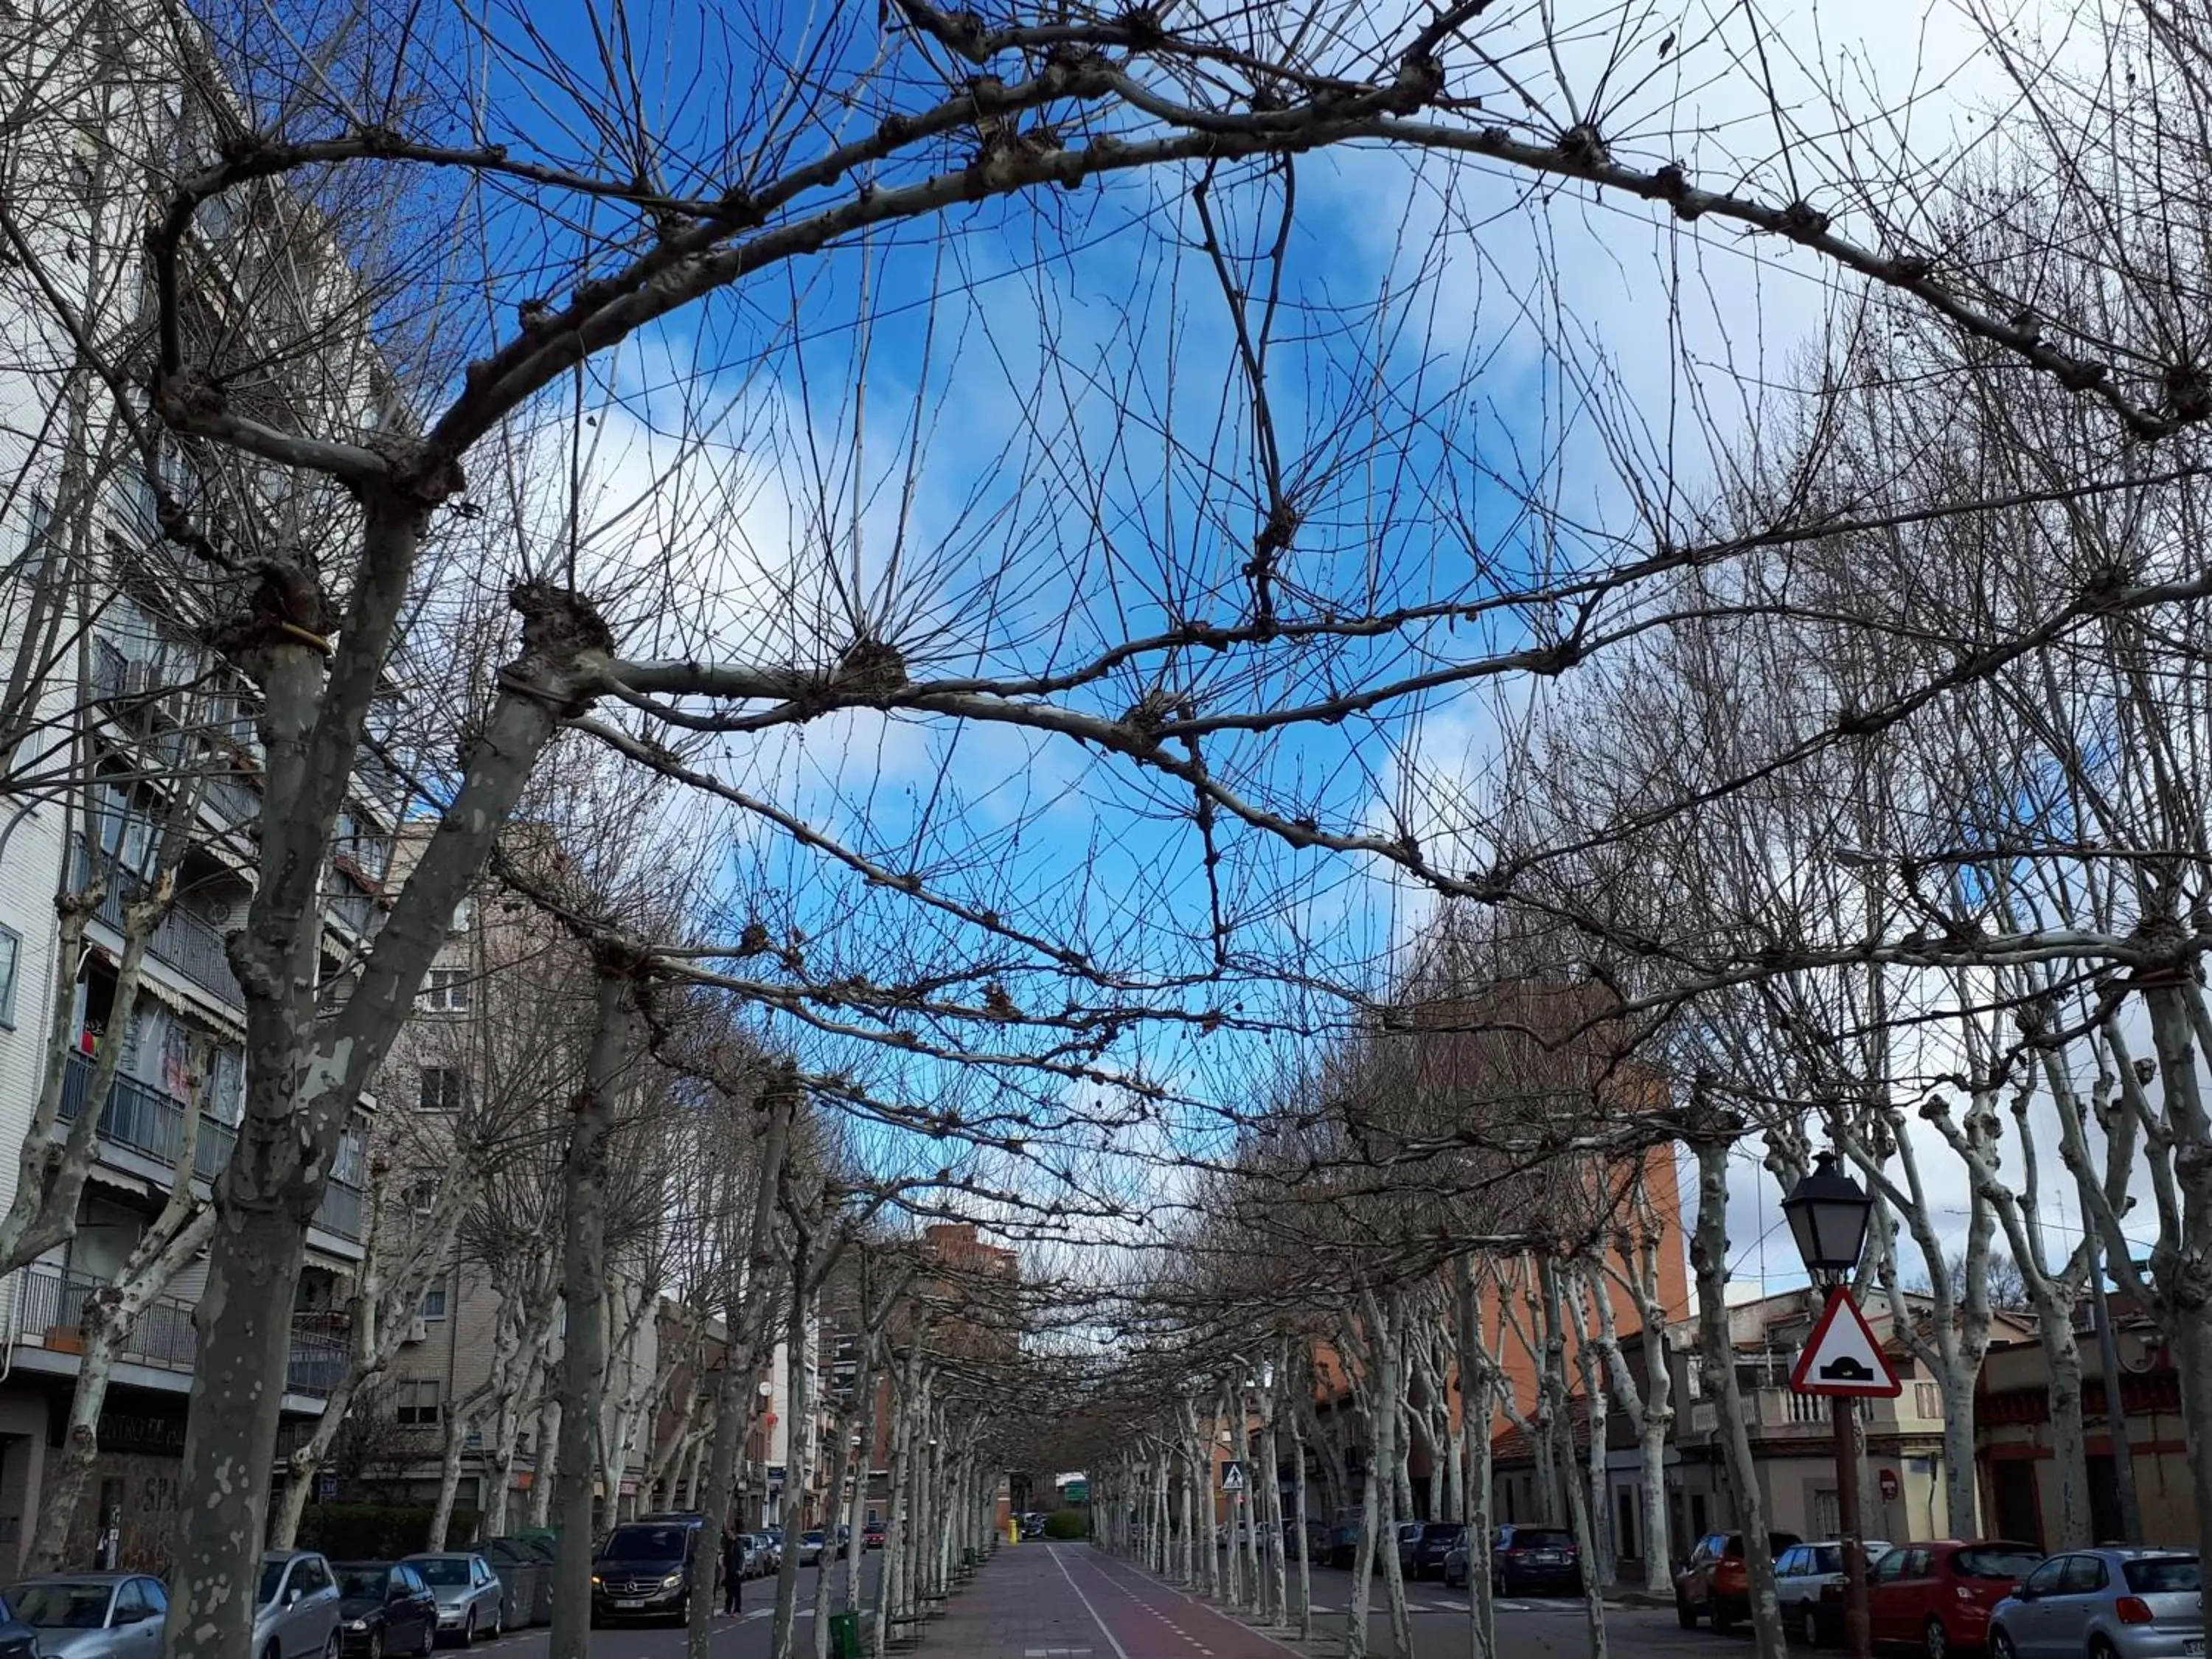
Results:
49 1314
147 1122
185 941
1780 1411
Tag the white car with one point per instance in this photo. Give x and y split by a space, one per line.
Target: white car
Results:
1808 1582
296 1613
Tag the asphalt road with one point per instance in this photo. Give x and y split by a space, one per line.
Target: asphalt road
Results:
1528 1627
745 1636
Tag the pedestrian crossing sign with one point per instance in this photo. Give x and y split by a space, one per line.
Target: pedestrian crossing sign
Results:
1232 1477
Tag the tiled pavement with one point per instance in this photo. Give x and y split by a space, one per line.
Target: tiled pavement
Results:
1069 1601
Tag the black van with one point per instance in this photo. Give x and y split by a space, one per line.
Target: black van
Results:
642 1570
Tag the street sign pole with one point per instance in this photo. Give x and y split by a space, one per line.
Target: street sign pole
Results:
1858 1630
1843 1360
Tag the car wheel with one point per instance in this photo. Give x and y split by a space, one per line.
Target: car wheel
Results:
499 1621
330 1647
2001 1646
1724 1619
376 1644
1685 1614
1810 1624
1936 1639
429 1637
468 1630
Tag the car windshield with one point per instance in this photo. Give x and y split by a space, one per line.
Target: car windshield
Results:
813 1538
1444 1530
1540 1537
444 1569
272 1575
1996 1561
361 1581
57 1605
644 1544
2163 1575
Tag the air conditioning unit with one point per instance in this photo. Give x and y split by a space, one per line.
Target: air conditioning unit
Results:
418 1329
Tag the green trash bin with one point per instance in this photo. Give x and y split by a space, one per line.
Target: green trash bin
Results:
845 1636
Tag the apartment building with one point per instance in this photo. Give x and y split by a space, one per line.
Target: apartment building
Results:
481 1085
119 722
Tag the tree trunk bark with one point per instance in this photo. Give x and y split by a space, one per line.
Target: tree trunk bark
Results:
1477 1389
1708 1258
799 1469
302 1078
449 1483
546 1473
583 1278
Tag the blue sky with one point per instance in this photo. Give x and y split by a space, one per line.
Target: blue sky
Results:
1053 447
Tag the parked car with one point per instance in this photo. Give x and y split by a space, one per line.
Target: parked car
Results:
17 1640
642 1570
1808 1582
1939 1595
384 1607
810 1545
471 1601
763 1558
296 1609
1426 1554
1533 1560
872 1536
2104 1604
1716 1584
92 1615
1343 1546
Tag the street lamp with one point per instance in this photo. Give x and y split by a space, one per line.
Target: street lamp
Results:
1828 1213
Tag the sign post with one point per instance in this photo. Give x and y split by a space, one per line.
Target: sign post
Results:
1843 1361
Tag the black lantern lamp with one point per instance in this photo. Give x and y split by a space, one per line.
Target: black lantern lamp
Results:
1828 1213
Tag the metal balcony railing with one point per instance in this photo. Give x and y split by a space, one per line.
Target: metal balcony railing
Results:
50 1312
185 941
150 1122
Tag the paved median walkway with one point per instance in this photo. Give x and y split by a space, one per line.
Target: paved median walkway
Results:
1069 1601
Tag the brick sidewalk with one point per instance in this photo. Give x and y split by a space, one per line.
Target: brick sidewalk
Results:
1069 1601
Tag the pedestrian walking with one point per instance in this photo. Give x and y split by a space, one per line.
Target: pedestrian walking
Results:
733 1569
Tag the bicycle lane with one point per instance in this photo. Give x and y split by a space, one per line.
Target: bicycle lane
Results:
1141 1618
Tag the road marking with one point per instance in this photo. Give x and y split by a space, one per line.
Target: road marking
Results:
1060 1562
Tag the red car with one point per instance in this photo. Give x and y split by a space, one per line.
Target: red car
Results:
1937 1596
871 1536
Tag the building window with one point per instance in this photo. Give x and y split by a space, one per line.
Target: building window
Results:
465 915
433 1301
447 991
11 956
1927 1400
417 1404
445 1089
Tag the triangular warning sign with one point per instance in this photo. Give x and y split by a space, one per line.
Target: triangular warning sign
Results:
1232 1477
1843 1357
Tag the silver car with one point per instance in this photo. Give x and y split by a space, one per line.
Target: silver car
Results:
469 1594
1808 1582
295 1612
94 1615
2104 1604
